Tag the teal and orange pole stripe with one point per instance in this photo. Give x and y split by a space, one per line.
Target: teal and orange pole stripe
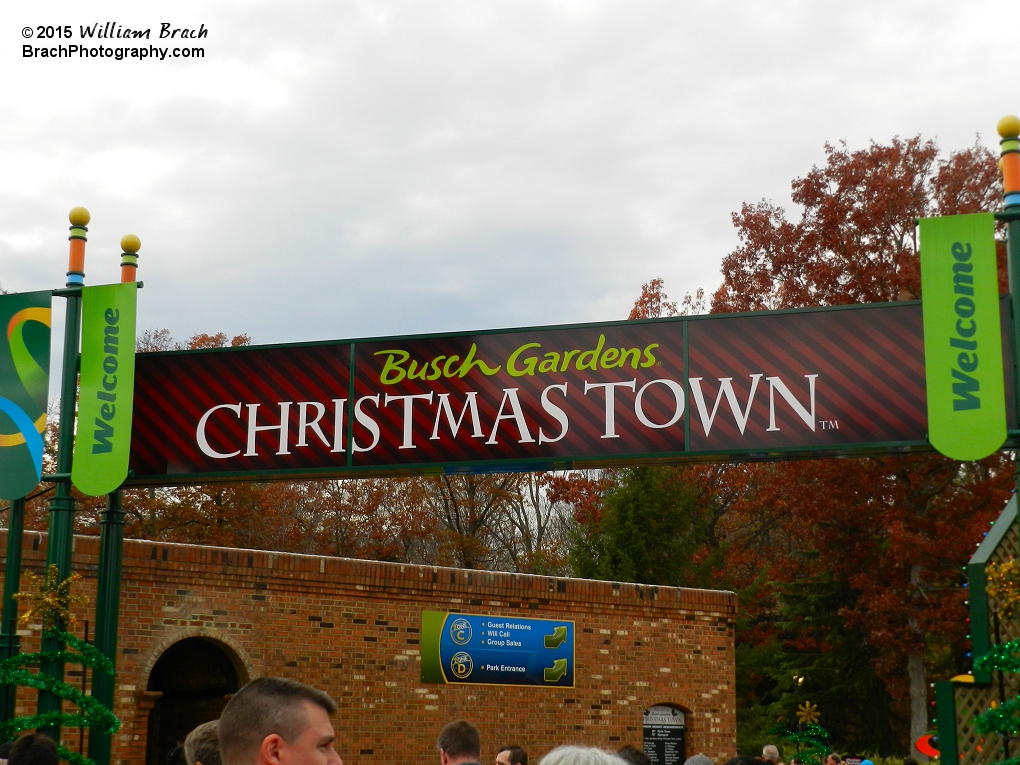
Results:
61 511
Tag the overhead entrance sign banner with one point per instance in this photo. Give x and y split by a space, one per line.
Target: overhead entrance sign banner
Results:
962 336
496 650
24 388
845 380
102 441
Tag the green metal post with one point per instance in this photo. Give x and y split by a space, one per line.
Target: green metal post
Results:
10 643
945 709
61 527
111 546
980 631
1013 268
1009 163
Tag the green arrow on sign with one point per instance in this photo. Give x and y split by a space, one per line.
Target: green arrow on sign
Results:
556 671
556 639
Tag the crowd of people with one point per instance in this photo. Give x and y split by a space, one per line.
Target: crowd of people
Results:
276 721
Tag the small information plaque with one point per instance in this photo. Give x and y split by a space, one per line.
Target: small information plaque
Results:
664 736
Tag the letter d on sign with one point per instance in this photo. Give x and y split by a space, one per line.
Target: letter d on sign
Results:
102 442
966 395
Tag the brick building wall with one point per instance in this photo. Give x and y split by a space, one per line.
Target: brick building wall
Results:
352 628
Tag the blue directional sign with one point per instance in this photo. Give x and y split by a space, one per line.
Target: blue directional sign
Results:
496 650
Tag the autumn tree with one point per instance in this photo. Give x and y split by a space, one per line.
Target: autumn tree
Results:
531 533
895 529
885 536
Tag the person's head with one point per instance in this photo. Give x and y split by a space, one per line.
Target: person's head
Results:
511 755
699 759
634 756
835 759
769 753
202 746
275 721
580 755
459 742
34 749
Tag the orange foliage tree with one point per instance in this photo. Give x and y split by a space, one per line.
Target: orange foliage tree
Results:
898 528
891 532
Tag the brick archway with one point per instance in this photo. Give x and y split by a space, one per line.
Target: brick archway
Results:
246 670
190 677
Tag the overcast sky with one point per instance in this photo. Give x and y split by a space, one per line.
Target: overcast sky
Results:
345 169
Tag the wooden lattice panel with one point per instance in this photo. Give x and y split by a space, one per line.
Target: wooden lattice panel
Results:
1009 629
971 700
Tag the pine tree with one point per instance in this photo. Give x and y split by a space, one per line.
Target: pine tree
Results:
51 604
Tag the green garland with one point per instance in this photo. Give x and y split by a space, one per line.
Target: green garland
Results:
1004 657
815 737
1004 718
93 714
51 603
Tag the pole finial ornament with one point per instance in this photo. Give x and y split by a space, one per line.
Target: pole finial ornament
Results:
130 245
1009 126
79 218
1009 163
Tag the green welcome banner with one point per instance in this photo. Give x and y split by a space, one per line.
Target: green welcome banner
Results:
102 442
24 388
962 336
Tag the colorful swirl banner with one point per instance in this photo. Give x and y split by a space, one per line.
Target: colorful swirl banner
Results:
24 390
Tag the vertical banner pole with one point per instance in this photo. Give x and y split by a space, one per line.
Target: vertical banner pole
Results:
111 556
1009 164
111 546
61 526
10 643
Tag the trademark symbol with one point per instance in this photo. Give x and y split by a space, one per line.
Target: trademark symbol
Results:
830 424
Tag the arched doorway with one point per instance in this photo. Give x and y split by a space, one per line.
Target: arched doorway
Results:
196 676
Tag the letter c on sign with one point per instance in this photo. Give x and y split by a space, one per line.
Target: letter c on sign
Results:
203 443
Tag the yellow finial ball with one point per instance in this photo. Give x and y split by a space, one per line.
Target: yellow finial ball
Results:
79 216
1009 126
130 243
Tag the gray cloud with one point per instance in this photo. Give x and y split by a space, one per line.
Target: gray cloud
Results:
353 169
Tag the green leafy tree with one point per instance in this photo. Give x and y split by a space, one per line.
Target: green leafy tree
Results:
650 531
811 742
813 657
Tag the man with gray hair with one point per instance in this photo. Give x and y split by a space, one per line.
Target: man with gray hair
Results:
273 720
202 746
770 753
